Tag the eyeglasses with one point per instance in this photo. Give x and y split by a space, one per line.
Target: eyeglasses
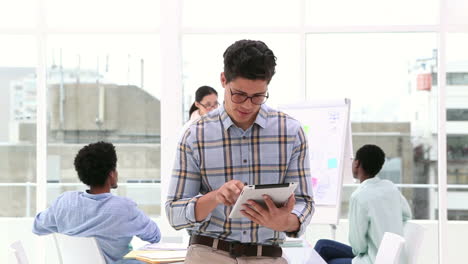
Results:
208 106
257 99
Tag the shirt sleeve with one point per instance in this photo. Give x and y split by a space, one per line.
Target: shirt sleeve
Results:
358 226
144 227
299 171
184 187
405 208
45 222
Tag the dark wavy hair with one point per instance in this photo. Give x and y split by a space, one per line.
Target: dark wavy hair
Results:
371 158
94 162
201 92
249 59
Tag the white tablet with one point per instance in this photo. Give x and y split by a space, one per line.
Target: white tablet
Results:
278 192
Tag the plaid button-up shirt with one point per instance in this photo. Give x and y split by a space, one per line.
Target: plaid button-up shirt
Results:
213 151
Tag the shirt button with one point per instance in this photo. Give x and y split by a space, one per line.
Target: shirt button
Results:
245 161
243 137
244 232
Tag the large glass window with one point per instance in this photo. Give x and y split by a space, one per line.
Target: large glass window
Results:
241 13
371 12
379 73
203 64
457 114
457 138
18 126
17 14
457 10
105 88
120 15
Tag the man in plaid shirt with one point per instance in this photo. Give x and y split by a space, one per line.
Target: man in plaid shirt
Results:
242 142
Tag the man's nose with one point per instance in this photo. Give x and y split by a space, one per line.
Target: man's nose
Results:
248 103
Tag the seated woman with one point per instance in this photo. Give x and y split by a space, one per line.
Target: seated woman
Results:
376 207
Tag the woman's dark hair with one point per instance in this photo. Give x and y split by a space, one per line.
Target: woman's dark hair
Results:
371 158
249 59
199 94
94 162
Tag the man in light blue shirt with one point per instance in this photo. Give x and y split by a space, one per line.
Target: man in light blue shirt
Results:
111 219
376 207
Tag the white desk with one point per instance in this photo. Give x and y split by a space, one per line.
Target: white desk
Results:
302 255
294 255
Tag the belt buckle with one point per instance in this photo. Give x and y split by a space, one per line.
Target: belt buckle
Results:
235 249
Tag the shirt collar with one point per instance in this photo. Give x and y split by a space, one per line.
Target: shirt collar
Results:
260 120
374 180
262 116
96 196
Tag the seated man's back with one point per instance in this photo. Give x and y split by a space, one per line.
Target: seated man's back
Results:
376 207
111 219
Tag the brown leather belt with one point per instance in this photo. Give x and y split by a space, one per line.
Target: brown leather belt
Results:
236 249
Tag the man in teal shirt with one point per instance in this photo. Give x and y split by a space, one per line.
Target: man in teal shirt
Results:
376 207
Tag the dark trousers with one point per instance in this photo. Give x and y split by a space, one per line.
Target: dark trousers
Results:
334 252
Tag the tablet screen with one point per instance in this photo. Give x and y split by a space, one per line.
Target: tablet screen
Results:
279 193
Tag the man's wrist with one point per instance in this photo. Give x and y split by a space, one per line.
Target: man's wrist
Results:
214 196
293 223
205 205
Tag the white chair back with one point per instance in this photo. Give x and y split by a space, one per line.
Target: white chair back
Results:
390 249
414 236
19 252
78 250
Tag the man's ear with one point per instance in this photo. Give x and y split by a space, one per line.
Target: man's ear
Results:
357 163
113 179
223 80
112 175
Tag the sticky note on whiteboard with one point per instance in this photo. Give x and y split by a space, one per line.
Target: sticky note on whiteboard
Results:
314 182
306 129
332 163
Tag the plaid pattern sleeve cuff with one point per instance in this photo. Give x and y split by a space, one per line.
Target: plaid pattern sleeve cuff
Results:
190 212
302 226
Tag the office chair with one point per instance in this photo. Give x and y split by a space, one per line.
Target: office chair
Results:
78 250
19 252
390 249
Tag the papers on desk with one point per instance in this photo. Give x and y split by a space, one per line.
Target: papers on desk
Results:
162 256
164 246
159 253
293 242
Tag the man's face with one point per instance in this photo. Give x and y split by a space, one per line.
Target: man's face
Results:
242 114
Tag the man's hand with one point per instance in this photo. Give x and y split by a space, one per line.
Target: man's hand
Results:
229 192
276 218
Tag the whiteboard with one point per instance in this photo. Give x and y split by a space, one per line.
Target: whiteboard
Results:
327 126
